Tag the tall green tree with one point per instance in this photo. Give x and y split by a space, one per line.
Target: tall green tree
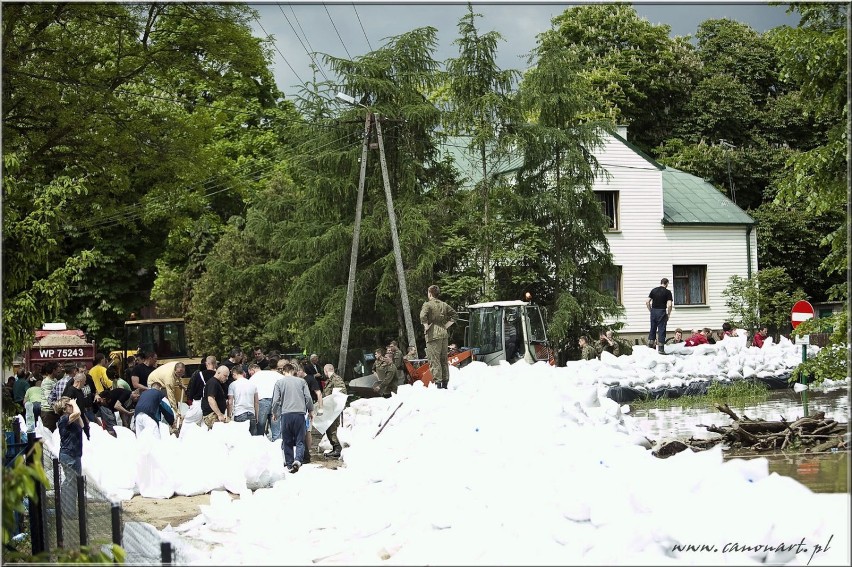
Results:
114 117
733 128
815 56
554 187
479 110
302 227
641 76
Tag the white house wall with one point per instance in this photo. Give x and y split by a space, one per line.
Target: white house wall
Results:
646 250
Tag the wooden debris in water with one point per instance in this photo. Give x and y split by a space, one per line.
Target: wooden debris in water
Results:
813 434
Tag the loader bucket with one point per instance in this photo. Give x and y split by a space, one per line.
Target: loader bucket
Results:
418 370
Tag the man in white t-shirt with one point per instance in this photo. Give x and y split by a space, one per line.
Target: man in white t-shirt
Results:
242 398
265 381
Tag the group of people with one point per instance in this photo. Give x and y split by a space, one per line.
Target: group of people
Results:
277 396
283 399
605 343
659 304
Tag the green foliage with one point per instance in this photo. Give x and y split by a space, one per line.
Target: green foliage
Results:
479 107
791 238
832 361
638 74
737 394
19 483
114 116
554 192
765 299
814 55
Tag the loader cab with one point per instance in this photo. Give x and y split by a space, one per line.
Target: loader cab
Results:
506 330
166 337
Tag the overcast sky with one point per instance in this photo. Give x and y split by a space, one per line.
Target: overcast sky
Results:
340 27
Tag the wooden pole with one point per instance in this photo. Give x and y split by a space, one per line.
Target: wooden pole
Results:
353 258
400 271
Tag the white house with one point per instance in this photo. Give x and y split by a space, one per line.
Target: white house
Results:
665 223
668 223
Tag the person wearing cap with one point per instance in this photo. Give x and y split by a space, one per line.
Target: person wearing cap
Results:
437 317
150 408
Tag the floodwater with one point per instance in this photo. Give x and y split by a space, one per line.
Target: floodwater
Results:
821 472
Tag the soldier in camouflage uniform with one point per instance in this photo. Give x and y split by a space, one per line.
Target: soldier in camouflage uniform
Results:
437 317
333 381
386 372
396 356
587 351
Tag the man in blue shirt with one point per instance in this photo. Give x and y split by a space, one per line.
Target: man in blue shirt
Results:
151 407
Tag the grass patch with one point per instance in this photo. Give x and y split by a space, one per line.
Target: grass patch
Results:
737 394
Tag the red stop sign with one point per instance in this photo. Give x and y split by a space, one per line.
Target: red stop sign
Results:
802 311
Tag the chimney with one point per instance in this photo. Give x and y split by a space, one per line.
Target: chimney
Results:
621 130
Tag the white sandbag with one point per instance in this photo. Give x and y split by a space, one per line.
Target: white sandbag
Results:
332 406
154 475
193 414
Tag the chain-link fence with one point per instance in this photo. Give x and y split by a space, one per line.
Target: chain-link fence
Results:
72 511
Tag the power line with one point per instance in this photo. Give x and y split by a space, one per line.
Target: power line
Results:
301 42
275 45
298 23
362 26
337 32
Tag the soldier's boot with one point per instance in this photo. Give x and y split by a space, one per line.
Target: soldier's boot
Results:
335 452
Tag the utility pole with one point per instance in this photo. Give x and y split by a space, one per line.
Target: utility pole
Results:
400 272
353 258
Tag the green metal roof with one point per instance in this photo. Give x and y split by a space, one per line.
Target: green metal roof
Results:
468 165
690 200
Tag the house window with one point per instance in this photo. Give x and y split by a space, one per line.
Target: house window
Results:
690 283
611 283
609 203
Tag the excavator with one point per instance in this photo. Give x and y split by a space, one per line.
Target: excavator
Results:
494 331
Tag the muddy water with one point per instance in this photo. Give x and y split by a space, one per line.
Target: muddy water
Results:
823 472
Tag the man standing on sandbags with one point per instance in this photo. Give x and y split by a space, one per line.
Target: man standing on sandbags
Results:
291 401
659 304
437 317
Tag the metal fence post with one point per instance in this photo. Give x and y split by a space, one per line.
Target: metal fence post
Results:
36 506
166 552
81 509
116 523
57 503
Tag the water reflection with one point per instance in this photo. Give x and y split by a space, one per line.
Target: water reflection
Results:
825 472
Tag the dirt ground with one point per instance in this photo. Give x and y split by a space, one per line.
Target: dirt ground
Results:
179 509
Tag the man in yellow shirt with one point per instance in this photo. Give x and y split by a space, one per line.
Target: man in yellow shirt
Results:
99 373
169 375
